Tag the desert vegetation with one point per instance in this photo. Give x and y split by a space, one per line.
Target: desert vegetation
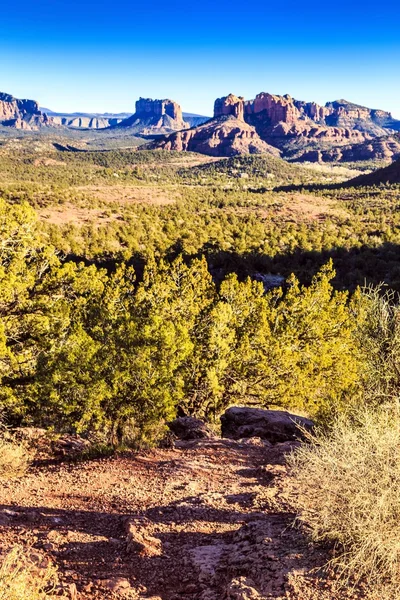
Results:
135 286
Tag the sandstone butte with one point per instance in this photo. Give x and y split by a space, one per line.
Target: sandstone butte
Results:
155 116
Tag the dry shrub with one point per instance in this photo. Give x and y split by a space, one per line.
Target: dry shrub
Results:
348 483
14 457
22 579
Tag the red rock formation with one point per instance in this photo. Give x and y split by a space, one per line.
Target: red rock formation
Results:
279 118
222 136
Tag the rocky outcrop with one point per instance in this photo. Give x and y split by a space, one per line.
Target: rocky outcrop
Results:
22 114
386 148
155 117
272 425
222 136
347 115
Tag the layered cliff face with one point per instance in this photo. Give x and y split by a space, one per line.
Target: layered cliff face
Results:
346 114
85 121
155 117
22 114
224 135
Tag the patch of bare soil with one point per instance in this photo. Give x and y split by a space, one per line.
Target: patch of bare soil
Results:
195 160
309 207
125 194
48 162
208 520
69 213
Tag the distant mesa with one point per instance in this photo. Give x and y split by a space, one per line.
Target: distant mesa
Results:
155 117
85 120
22 114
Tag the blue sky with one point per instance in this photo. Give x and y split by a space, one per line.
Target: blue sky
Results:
101 56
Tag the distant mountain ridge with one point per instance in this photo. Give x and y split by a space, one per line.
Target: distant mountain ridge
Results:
298 130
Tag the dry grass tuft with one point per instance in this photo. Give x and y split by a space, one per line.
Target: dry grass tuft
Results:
14 457
349 494
22 579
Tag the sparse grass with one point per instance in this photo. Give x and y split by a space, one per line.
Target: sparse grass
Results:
348 483
21 578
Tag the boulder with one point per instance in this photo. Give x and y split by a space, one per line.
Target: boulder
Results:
70 445
190 428
272 425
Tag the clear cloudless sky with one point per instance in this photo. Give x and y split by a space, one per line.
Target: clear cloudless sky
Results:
97 56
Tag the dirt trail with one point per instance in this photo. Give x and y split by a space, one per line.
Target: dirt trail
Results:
214 518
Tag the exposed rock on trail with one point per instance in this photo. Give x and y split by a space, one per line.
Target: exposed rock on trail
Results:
211 520
272 425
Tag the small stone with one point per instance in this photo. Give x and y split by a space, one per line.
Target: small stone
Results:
49 547
116 584
10 513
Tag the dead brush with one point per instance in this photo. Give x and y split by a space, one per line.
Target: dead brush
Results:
14 456
22 579
348 483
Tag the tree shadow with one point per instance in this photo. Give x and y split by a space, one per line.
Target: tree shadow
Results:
206 540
